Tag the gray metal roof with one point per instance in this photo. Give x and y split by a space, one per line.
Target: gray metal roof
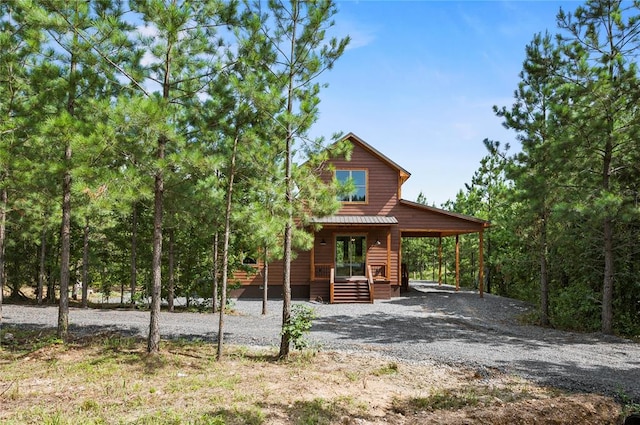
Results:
357 219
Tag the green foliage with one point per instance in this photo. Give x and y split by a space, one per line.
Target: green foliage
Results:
302 317
576 307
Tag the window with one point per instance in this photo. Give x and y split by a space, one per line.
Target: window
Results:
357 180
351 253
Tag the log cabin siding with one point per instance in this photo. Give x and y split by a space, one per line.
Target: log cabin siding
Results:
382 183
299 272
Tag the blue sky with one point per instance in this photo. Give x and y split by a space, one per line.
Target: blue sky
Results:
420 78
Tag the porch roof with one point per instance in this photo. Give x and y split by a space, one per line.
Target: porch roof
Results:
369 220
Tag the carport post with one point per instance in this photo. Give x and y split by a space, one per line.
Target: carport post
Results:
457 262
481 265
440 260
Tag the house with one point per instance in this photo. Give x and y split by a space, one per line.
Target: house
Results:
357 254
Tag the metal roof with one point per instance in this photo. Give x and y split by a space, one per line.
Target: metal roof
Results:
357 219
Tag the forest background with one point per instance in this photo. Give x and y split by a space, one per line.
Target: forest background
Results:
132 126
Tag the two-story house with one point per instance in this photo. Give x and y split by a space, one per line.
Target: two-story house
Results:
357 254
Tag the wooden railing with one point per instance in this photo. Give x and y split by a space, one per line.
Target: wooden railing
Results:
370 281
331 284
378 271
322 271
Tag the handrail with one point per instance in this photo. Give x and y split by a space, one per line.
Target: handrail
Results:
321 271
331 282
370 281
380 271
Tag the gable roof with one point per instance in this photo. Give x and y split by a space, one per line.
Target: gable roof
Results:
404 174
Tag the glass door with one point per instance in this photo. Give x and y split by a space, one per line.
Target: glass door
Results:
350 255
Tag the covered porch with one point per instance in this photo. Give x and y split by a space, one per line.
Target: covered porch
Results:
353 259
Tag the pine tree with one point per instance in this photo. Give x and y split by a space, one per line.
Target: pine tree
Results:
535 119
184 52
82 78
601 47
18 44
297 32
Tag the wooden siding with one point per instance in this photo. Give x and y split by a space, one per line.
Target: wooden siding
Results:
299 272
382 186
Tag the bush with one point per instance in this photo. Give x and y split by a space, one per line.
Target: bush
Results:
299 326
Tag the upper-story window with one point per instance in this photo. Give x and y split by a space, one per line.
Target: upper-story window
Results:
358 182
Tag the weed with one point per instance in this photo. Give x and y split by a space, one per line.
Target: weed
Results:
629 406
388 369
235 416
315 412
119 343
445 399
89 405
12 391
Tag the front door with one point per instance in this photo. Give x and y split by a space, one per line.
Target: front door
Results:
351 255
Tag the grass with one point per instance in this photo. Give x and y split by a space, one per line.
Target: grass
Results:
109 379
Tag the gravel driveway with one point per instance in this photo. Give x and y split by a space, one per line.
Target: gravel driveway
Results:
429 324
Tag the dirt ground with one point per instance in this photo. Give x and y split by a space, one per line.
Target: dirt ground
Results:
110 379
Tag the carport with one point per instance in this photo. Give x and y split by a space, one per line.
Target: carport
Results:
422 221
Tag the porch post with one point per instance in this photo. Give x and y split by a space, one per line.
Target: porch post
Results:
312 263
457 262
387 269
440 260
481 265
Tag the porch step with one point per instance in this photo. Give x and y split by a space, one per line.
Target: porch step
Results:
351 292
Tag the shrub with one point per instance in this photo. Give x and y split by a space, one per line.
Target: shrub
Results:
299 326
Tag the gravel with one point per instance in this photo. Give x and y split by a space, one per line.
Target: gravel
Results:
430 323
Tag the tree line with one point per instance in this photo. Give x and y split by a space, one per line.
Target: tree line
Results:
564 208
150 144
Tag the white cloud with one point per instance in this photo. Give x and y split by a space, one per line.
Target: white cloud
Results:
360 35
147 30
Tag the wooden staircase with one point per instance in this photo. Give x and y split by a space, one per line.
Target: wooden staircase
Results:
351 290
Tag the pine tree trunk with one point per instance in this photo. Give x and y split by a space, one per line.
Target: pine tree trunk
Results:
85 264
225 248
544 274
265 281
607 231
171 269
153 342
607 287
215 272
3 222
65 254
42 272
285 340
134 242
65 227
